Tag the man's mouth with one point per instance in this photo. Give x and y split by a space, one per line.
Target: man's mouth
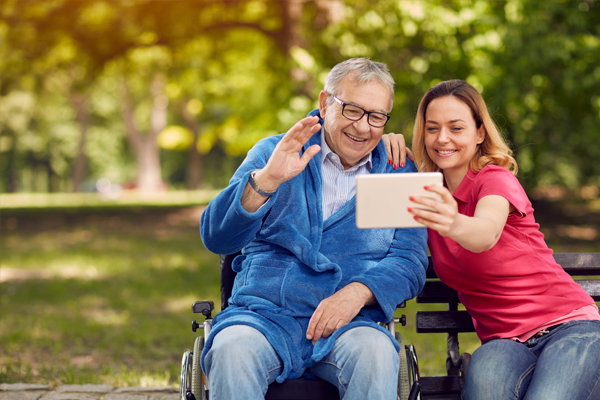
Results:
356 139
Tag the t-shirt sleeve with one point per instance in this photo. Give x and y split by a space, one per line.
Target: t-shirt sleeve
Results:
501 182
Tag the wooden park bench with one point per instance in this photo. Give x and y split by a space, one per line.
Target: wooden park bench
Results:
583 267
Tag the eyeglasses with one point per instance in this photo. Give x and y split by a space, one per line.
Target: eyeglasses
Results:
355 113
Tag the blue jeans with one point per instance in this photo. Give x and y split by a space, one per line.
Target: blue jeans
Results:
562 364
241 364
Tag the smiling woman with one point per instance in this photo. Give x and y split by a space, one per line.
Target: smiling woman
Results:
486 245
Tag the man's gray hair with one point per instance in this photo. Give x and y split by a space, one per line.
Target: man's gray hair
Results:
360 70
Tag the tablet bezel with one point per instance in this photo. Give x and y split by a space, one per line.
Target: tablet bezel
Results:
382 200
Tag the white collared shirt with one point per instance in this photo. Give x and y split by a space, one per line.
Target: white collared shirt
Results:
339 185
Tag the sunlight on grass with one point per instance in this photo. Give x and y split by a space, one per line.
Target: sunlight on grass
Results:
82 200
105 298
70 374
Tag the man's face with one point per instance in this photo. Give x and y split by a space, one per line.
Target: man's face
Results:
352 140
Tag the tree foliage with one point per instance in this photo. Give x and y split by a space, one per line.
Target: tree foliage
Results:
83 83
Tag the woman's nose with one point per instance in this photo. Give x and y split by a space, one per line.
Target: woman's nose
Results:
444 136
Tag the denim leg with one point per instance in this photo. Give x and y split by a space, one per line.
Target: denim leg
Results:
363 364
240 364
568 366
501 369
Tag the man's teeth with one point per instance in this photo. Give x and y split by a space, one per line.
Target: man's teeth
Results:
446 151
355 138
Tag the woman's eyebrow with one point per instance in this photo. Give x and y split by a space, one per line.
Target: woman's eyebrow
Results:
437 123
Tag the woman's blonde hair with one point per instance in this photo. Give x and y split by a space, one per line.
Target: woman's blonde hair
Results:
493 150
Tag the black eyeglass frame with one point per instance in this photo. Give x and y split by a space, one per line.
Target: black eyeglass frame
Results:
368 113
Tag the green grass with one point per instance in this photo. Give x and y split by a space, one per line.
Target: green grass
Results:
44 202
104 296
104 301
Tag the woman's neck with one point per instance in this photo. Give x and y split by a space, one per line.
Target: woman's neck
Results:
454 178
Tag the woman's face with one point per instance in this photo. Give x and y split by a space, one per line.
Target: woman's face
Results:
451 136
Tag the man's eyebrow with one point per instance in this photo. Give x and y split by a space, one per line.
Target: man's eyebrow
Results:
359 106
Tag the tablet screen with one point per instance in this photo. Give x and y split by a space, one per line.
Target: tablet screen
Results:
382 199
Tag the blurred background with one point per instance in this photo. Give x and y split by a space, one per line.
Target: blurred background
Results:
120 119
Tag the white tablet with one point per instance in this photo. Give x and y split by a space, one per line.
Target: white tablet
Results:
382 199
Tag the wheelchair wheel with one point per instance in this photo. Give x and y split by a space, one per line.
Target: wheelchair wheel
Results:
403 378
197 376
184 378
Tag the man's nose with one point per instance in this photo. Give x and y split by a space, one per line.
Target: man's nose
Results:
362 125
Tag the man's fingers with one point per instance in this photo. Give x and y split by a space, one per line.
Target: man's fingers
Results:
312 324
303 128
310 153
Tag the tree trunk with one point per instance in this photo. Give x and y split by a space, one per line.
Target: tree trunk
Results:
145 147
194 162
78 172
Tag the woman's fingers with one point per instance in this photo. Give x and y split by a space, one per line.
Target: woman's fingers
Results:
396 150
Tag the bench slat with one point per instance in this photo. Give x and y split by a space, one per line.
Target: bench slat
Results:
444 321
579 263
591 287
437 385
573 263
437 292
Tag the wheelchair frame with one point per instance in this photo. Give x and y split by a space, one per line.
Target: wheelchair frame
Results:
194 384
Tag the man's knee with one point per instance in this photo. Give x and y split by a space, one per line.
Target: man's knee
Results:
370 349
238 346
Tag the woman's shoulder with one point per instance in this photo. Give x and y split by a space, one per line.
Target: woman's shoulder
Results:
495 178
494 173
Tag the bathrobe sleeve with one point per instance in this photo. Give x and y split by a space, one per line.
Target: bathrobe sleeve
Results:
400 276
225 227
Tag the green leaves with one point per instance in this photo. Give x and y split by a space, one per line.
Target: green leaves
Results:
262 63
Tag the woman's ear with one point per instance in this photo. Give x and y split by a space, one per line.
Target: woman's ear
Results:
323 103
480 134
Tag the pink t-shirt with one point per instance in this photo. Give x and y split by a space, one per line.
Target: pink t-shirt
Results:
516 286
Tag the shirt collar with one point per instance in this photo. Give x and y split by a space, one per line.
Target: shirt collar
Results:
463 190
326 151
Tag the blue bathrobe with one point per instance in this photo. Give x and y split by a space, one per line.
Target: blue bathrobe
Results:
292 259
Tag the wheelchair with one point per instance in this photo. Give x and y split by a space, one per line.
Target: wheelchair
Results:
194 384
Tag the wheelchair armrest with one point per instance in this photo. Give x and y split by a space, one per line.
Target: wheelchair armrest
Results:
205 307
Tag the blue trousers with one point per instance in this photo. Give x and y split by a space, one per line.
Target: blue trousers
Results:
562 364
241 364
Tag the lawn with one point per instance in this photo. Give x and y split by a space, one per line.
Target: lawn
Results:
92 296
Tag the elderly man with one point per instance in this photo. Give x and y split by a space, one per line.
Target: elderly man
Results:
310 285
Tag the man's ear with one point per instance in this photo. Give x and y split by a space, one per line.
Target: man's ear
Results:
323 103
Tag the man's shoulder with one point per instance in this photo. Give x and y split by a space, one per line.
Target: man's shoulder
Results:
268 143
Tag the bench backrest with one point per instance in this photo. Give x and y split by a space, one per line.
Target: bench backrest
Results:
584 267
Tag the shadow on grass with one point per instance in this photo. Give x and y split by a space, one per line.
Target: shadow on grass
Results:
105 297
100 301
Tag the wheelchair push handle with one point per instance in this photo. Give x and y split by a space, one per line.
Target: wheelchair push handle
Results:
202 307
